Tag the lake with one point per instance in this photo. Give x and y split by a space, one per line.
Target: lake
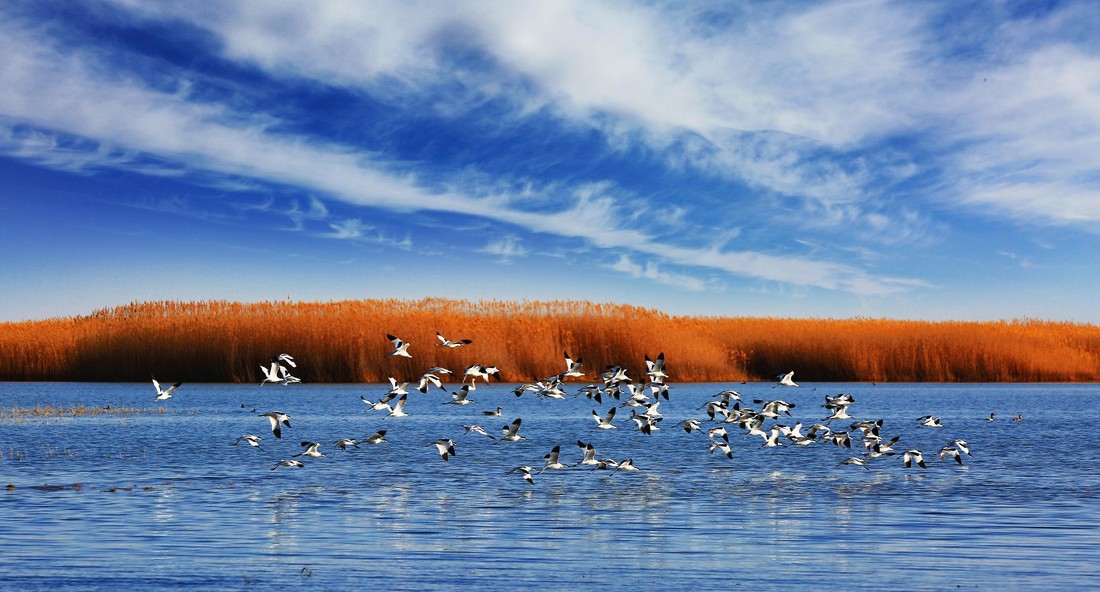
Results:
162 499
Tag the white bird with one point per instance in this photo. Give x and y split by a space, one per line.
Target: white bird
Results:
250 439
429 379
271 374
276 418
854 460
279 359
397 389
400 348
511 432
655 369
572 368
626 464
690 425
380 404
929 421
444 342
723 447
310 450
552 462
588 452
913 456
477 430
952 452
445 447
526 471
399 409
343 443
478 371
288 462
459 397
786 380
376 438
604 423
646 424
166 393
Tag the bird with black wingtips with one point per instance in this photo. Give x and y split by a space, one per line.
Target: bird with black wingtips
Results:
277 419
444 342
165 393
445 446
400 347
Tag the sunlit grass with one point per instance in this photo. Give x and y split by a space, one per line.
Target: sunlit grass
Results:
216 341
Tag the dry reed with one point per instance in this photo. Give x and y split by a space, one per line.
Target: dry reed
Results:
217 341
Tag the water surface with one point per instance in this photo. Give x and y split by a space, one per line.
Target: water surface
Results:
163 500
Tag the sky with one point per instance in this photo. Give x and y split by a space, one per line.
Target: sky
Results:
910 160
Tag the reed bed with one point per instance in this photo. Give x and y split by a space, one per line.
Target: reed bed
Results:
345 341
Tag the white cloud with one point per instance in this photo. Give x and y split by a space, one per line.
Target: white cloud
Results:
651 271
507 247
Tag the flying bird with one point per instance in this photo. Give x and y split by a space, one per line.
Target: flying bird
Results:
444 342
276 418
165 393
289 462
445 447
400 348
249 439
526 471
786 380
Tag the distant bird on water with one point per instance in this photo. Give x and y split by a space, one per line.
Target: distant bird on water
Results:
165 393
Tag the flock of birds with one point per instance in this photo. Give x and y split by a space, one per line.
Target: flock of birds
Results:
722 419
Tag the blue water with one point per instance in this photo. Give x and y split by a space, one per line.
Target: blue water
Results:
165 501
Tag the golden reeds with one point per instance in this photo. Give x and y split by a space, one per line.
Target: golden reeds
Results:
217 341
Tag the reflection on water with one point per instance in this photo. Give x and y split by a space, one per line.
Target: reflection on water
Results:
165 501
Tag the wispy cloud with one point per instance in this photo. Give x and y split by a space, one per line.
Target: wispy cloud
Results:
505 247
651 271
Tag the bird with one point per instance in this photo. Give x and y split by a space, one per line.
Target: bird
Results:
271 373
786 380
428 379
398 410
526 471
493 413
288 462
276 418
552 462
380 404
445 447
604 423
723 447
444 342
951 451
1019 417
572 368
249 439
992 416
166 393
376 438
718 432
343 443
279 359
588 452
854 460
913 456
400 348
310 450
476 371
627 464
690 425
397 389
477 430
459 397
511 432
929 421
655 369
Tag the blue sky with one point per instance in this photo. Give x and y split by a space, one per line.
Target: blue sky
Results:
915 160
